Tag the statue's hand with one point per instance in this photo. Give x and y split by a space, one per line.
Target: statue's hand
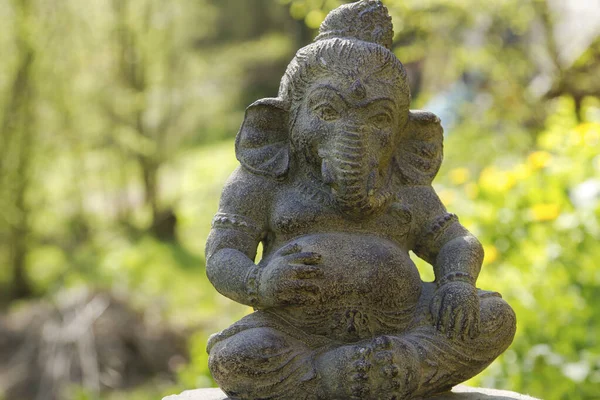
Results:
455 310
290 278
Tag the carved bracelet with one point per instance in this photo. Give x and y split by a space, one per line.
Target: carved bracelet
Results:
457 276
236 222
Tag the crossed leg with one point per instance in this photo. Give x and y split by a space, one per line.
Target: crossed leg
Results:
447 362
261 357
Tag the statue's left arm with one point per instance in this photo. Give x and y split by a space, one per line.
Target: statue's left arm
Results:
440 239
456 256
454 253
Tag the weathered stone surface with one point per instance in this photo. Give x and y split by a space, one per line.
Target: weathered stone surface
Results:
335 182
459 393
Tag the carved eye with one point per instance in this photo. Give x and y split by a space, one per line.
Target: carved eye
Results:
381 120
327 113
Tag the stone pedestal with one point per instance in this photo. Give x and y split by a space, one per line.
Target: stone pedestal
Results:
460 392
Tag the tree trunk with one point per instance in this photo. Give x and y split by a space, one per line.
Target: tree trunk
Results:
18 137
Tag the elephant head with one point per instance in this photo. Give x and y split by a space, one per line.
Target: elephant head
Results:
342 122
344 133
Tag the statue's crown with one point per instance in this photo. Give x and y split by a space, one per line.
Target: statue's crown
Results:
366 20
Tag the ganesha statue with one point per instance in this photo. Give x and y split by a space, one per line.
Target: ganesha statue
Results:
335 183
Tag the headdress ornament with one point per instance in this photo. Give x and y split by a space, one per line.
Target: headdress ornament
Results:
366 20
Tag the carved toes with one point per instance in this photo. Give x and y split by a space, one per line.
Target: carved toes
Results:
379 368
359 391
376 374
361 366
391 371
382 343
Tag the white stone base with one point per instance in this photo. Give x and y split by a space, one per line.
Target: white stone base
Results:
460 392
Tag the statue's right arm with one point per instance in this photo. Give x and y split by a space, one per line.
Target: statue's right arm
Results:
237 229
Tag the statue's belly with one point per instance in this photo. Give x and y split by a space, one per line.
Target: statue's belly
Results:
370 286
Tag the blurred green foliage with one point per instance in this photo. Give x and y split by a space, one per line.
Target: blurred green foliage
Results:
116 127
541 235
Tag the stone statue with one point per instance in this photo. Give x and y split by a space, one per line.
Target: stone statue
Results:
335 182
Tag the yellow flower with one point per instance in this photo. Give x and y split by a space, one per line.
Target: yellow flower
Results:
494 180
521 172
458 176
539 159
544 212
491 254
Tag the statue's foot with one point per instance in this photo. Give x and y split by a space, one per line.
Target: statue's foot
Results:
380 368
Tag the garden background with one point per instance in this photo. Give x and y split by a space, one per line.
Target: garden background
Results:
117 120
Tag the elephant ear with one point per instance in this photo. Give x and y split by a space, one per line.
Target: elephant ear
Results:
420 152
262 144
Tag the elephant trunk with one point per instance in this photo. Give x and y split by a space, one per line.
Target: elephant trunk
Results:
353 175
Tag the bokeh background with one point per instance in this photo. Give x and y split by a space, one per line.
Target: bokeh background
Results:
117 120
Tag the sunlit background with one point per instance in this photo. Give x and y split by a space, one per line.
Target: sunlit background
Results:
117 120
